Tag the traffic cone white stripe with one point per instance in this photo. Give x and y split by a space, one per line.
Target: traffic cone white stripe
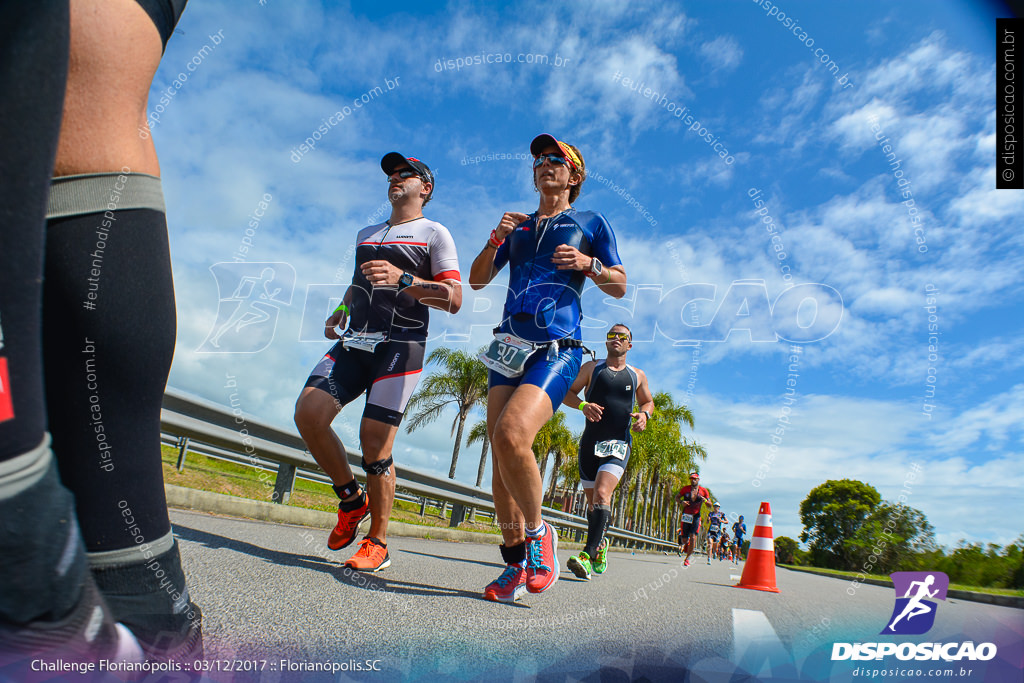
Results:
759 570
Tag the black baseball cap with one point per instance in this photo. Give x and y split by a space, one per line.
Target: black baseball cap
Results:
393 160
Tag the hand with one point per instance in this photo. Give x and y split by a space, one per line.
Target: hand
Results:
593 412
381 273
570 258
508 223
639 421
336 320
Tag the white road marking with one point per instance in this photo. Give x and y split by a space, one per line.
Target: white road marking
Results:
756 647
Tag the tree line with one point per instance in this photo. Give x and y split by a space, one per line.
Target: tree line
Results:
848 526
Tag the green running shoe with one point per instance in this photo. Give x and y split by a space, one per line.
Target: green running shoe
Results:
601 561
580 565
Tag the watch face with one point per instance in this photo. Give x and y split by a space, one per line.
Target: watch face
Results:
405 280
595 267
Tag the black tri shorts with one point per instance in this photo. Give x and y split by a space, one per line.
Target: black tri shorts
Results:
388 375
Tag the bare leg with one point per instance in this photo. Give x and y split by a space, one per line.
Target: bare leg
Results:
377 439
522 417
506 512
315 410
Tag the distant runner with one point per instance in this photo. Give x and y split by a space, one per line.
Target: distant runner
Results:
739 530
611 389
716 525
693 498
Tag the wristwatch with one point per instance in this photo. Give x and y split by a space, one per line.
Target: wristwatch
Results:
595 267
404 281
646 413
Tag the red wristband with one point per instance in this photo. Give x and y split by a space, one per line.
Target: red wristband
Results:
494 241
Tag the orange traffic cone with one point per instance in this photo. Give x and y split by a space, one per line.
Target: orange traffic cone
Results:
759 571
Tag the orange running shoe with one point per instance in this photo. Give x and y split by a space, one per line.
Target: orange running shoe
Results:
372 556
348 524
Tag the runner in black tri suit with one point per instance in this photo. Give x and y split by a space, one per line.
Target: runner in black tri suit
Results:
612 388
402 266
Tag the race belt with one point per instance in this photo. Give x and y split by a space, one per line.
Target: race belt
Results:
363 341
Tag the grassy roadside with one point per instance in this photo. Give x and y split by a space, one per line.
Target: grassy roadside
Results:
884 577
218 476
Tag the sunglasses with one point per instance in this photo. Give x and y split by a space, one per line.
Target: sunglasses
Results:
617 335
553 158
403 174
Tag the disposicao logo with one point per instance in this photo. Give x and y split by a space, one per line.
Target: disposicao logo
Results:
913 613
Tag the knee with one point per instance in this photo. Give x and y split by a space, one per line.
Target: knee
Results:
307 419
507 438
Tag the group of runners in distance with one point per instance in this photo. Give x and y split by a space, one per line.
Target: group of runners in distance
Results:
719 544
409 264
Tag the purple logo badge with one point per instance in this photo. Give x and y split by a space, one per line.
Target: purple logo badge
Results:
914 613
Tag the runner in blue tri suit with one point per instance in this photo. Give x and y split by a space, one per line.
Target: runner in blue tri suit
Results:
739 529
537 351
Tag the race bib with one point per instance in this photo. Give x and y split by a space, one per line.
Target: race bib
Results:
687 518
507 355
366 341
714 528
611 449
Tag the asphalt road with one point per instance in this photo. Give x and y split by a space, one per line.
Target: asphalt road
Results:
275 594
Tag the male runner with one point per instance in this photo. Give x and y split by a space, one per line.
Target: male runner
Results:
716 524
402 266
693 497
739 530
537 351
611 387
724 549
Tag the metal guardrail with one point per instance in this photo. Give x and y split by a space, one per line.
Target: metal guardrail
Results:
195 424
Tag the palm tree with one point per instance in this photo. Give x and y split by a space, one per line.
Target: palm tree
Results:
478 432
463 382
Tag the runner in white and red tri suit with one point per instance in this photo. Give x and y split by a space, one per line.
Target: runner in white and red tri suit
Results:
402 266
693 497
537 351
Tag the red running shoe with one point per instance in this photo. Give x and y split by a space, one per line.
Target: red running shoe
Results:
509 586
348 524
542 560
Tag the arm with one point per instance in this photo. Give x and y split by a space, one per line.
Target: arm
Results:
611 281
339 318
445 295
591 411
646 401
483 271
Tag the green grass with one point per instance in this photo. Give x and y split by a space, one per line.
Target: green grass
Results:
218 476
1016 592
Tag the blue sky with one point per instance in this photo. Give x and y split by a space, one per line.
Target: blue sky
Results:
917 76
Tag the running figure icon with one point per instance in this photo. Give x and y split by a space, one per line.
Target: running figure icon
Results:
915 607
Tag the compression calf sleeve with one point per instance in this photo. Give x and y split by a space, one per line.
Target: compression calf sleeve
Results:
33 70
597 523
108 342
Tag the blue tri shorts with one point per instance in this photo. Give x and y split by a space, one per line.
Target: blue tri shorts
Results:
554 376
